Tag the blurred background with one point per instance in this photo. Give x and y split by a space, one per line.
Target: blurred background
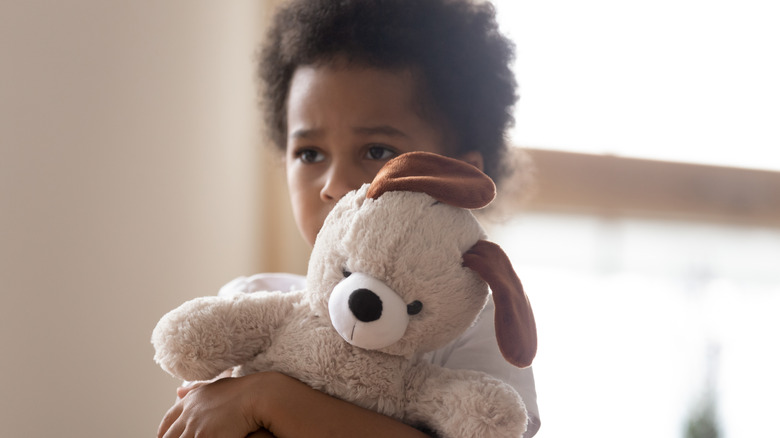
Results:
134 175
651 251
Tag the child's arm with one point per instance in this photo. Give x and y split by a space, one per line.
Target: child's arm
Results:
285 407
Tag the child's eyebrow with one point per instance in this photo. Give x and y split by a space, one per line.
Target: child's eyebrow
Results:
306 133
362 130
381 130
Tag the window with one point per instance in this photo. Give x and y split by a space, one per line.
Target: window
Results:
640 319
677 80
655 284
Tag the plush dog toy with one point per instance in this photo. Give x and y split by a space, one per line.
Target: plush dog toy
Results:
399 268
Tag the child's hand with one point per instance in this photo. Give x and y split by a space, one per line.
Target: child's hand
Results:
235 407
222 409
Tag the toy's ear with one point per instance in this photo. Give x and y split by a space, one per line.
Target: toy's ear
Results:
447 180
514 319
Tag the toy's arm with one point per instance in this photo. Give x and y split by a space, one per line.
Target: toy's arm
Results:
456 403
205 336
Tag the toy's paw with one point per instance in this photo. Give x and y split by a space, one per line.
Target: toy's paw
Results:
207 335
484 407
498 413
190 341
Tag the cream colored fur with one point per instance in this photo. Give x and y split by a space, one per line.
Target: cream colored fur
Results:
411 243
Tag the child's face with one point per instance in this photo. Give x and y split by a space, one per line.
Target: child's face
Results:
344 123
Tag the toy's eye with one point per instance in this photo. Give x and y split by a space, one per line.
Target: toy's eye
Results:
346 273
414 307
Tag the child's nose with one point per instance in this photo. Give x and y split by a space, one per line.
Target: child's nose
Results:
340 180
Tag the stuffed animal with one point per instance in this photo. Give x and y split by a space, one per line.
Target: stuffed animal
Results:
399 268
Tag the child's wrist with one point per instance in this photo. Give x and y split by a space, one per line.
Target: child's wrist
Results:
264 393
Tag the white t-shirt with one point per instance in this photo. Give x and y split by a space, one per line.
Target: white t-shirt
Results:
476 349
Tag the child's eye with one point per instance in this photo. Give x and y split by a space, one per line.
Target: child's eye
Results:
379 152
308 155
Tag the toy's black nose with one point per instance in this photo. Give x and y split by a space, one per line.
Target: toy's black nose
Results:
365 305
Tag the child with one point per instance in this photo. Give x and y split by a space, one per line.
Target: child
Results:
348 85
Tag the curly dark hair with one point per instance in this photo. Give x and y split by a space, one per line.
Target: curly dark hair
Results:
453 46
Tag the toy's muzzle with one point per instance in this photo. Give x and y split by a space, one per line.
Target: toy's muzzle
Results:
367 313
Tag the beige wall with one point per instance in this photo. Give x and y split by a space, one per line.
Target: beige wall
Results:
132 178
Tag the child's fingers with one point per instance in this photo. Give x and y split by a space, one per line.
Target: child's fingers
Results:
187 387
177 430
170 417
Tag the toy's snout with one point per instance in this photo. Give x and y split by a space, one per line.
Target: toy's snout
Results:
367 313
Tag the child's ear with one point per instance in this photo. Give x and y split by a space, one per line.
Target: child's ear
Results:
474 158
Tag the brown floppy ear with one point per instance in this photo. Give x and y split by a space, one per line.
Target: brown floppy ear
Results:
447 180
514 320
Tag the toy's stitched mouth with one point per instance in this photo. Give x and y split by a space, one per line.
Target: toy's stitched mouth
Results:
352 335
